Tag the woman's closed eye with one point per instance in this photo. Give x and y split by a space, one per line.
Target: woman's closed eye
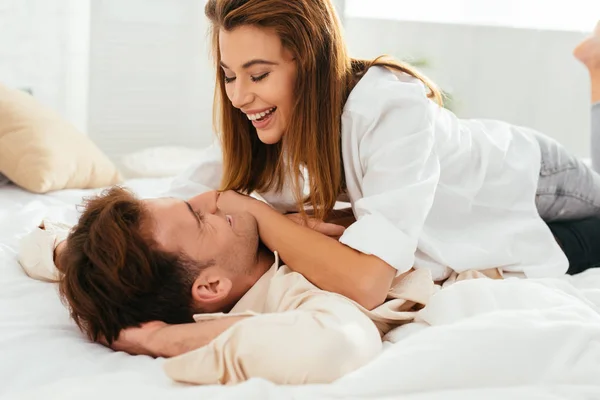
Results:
253 78
259 77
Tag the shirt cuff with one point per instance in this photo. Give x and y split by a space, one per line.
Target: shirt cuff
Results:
215 316
375 235
36 250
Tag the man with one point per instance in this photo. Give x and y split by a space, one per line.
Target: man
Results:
136 274
163 263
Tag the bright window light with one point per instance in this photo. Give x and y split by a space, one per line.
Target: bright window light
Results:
570 15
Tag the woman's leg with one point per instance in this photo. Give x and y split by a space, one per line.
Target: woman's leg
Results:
579 241
568 189
588 52
578 238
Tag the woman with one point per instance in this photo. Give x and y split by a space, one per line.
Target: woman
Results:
302 123
588 52
579 239
427 189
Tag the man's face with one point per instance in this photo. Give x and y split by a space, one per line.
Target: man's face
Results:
202 231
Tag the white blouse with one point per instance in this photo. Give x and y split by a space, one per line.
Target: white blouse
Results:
428 190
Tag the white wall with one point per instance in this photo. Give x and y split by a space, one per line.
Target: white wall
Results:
523 76
151 81
43 48
144 94
137 73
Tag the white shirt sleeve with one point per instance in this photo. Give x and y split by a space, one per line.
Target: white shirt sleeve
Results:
201 177
392 169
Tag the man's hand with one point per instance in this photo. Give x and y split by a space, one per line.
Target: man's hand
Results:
139 341
58 253
159 339
58 250
325 228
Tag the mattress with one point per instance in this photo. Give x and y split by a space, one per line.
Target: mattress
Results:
525 339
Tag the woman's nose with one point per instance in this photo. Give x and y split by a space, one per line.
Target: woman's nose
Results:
205 202
241 96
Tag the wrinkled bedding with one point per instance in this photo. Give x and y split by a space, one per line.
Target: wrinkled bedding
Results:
521 339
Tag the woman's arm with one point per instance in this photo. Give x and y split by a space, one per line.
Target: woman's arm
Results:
324 261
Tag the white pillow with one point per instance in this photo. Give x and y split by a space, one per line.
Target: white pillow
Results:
159 162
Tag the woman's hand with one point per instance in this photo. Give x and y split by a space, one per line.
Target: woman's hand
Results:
232 201
140 340
344 217
326 228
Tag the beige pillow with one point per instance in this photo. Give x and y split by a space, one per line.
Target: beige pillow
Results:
40 151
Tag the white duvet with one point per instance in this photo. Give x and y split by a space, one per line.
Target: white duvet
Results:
483 339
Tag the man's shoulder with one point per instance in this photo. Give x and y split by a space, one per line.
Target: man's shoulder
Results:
285 277
287 283
288 290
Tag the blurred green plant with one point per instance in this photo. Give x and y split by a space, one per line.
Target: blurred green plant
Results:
423 64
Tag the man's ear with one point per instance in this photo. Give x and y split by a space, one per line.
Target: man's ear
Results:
211 288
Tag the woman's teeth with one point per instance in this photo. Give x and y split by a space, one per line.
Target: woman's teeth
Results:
260 116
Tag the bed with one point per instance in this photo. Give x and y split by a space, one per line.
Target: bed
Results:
482 338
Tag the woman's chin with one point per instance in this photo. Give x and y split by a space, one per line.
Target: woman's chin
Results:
269 136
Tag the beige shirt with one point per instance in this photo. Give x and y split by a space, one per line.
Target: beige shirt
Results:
298 333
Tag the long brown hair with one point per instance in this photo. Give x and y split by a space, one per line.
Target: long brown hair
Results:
311 31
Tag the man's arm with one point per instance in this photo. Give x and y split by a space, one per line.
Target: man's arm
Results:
58 252
306 336
293 347
300 346
158 339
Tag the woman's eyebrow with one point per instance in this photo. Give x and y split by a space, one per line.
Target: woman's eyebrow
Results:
251 63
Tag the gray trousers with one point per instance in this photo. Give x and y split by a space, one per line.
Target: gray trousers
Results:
568 189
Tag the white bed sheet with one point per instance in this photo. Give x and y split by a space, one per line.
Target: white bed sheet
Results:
489 339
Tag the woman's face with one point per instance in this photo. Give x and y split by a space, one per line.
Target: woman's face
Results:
260 75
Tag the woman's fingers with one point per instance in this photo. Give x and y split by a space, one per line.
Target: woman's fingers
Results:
325 228
328 229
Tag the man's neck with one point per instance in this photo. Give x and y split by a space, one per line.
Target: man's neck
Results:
264 260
